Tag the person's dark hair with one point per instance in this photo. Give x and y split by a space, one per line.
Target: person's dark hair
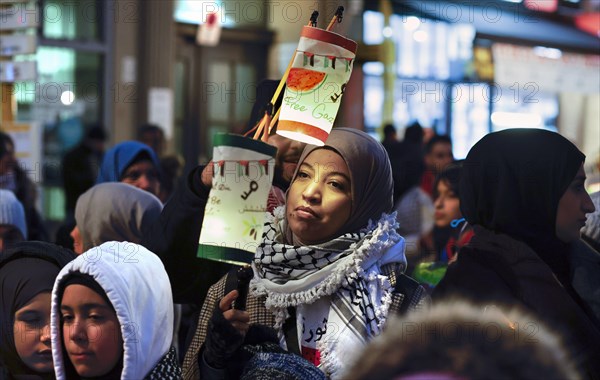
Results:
63 235
414 133
389 130
10 237
436 140
96 132
149 128
450 176
5 140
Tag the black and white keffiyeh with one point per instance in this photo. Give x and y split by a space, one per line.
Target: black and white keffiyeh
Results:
337 287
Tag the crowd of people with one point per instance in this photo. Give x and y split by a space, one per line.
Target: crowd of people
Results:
377 260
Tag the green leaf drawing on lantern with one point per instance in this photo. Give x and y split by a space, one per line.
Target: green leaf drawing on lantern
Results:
251 227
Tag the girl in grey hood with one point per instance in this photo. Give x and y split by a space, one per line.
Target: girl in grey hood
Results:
112 316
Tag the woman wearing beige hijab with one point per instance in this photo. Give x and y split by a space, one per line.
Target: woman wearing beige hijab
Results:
329 268
113 211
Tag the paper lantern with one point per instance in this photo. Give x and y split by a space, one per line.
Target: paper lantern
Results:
235 211
320 70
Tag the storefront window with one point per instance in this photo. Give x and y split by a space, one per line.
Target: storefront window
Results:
524 107
422 101
66 95
71 20
470 116
431 57
425 49
373 103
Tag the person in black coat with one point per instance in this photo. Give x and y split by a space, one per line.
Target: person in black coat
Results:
522 191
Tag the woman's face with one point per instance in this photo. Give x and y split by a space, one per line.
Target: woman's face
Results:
143 175
572 207
319 201
32 333
91 331
447 205
77 241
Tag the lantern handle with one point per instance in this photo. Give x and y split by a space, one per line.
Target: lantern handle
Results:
339 14
313 19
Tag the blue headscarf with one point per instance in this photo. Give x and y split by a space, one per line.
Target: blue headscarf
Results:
119 157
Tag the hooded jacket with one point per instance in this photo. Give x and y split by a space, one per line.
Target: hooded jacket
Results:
135 282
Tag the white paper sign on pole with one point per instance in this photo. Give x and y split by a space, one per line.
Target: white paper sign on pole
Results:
160 109
17 71
17 44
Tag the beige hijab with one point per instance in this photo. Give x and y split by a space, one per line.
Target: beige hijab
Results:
115 211
370 174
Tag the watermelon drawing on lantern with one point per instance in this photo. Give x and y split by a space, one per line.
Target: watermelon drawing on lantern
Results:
305 80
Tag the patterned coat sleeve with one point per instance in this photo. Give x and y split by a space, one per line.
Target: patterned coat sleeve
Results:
191 369
419 299
254 306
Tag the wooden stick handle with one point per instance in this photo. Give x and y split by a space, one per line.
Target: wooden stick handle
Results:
259 130
337 17
273 121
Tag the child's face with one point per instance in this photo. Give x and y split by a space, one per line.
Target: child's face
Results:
319 200
91 331
32 333
447 205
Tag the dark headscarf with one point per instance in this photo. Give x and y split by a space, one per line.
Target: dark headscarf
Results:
26 270
370 174
511 183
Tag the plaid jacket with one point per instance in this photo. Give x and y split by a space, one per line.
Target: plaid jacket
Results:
259 314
